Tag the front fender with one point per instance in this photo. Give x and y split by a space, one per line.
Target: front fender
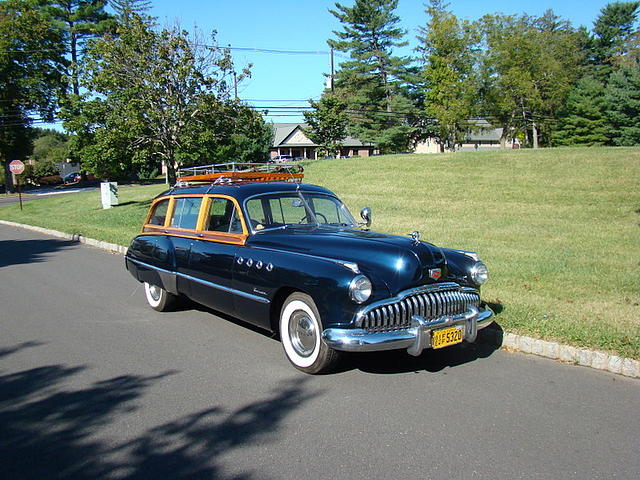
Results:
326 281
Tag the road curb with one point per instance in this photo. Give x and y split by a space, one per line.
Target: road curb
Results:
74 237
564 353
509 341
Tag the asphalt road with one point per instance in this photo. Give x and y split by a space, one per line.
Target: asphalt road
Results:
94 384
43 192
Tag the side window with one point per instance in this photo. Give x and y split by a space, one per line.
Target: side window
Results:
159 213
256 212
185 213
326 210
223 217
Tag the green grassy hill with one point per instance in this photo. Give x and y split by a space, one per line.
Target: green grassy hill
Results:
558 228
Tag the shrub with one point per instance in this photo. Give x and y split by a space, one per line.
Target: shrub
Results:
50 180
45 168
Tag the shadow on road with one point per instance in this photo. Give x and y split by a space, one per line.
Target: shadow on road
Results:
399 361
17 252
50 430
394 361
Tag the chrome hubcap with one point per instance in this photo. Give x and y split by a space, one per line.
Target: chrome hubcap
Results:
303 333
154 291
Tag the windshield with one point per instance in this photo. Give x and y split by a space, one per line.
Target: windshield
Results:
279 210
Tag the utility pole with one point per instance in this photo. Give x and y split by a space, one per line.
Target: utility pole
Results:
332 69
235 85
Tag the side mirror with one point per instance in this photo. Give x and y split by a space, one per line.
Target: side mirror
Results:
365 213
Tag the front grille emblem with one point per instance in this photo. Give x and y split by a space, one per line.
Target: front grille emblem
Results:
435 273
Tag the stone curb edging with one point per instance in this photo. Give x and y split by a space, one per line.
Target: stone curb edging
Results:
564 353
520 343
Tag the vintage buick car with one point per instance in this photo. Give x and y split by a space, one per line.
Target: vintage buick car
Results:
288 257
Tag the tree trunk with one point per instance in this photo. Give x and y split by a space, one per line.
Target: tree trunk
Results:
171 171
503 138
8 177
74 61
534 132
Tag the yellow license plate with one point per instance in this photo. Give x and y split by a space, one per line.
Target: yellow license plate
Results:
446 337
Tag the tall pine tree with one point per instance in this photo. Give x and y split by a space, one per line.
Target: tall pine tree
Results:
125 9
623 98
614 35
373 80
583 121
80 20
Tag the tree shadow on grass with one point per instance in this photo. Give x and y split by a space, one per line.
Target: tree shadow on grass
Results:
145 203
51 431
18 252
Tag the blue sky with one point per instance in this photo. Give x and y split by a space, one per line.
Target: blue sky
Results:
305 25
288 80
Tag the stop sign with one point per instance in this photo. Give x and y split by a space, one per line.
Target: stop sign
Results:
16 167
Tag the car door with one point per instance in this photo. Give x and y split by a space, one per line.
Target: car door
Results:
213 253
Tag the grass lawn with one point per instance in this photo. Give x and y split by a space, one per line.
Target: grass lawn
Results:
558 228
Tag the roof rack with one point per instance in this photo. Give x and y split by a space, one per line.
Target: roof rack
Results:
228 173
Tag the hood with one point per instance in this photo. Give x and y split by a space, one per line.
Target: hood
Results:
397 262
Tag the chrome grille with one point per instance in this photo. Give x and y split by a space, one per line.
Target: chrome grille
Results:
395 315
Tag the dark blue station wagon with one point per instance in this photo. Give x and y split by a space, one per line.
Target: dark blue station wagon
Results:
288 257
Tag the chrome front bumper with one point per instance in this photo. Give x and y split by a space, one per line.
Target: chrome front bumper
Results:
415 338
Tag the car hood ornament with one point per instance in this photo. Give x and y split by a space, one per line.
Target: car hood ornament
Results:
415 236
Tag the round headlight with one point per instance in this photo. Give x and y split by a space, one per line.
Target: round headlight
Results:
479 273
360 289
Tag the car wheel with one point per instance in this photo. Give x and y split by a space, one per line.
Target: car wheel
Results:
300 331
158 298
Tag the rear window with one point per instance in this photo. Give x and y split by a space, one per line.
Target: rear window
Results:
185 213
159 213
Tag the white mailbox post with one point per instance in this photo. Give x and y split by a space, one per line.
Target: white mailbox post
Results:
109 191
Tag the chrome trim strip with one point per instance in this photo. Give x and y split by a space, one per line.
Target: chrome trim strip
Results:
233 291
415 339
352 266
153 267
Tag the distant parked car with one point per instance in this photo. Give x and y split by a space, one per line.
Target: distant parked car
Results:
283 158
90 177
77 176
70 177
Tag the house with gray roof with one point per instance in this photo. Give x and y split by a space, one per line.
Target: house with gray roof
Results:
483 137
290 141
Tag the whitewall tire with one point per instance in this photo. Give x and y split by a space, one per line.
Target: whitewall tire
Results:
158 298
300 332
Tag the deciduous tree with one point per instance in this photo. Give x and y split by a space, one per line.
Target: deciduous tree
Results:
161 96
448 47
529 66
31 67
328 123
